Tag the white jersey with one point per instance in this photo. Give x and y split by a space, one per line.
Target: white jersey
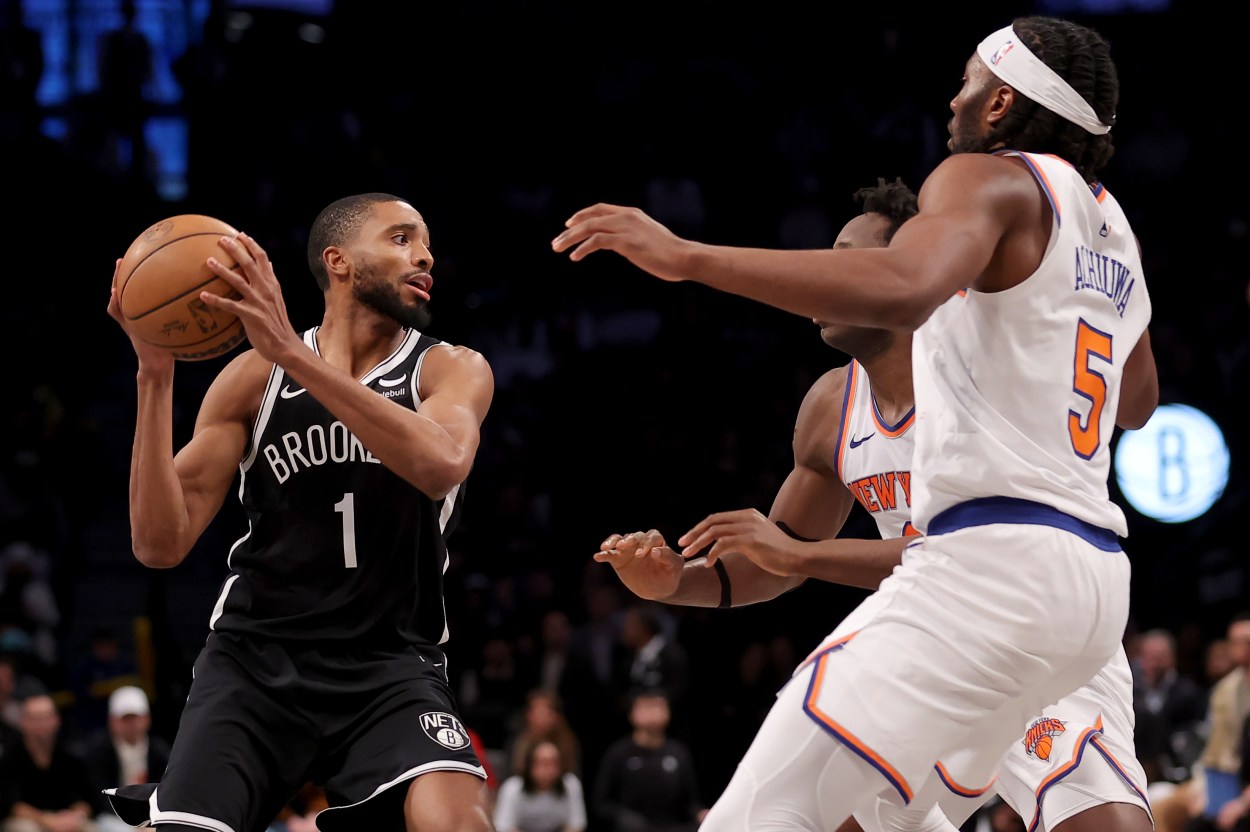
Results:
1017 391
874 458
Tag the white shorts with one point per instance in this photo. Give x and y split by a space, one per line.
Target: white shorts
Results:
1079 753
977 630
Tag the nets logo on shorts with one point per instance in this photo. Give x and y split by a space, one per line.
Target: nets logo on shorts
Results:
444 729
1039 739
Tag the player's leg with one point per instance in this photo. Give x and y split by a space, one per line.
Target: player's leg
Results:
398 748
447 801
795 775
240 751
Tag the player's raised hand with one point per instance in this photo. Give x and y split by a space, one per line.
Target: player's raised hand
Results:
150 357
629 232
644 563
747 532
260 306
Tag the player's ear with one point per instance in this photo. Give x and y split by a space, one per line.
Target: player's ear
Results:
338 266
999 104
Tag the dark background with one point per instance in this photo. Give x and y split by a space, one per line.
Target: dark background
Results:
622 403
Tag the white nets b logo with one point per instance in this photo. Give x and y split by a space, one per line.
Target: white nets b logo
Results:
444 729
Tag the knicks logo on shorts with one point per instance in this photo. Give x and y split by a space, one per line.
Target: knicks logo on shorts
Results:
1040 737
444 729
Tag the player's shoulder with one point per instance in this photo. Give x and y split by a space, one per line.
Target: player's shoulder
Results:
987 175
820 415
445 362
241 383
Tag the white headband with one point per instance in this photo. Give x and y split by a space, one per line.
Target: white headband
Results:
1008 58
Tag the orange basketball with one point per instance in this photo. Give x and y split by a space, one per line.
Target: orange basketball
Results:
160 280
1044 745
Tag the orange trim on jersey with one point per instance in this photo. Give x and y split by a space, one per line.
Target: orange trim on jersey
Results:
1064 770
848 400
1120 770
846 737
962 791
885 429
825 648
1039 175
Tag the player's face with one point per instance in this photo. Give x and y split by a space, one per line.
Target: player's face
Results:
393 264
967 127
865 231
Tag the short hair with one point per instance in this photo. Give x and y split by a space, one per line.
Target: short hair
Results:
1237 618
892 200
1162 634
648 692
338 223
1082 58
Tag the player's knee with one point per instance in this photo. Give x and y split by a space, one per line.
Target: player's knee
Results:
461 818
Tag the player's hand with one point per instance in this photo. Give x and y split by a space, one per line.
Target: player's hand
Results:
747 532
151 357
630 233
643 562
259 303
1229 814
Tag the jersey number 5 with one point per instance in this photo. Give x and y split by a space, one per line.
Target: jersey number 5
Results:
347 508
1091 385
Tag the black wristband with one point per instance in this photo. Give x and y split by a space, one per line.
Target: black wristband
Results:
726 596
781 525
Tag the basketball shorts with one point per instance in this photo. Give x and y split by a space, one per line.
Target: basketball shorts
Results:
264 718
1077 754
981 627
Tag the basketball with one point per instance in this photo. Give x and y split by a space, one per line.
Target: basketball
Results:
160 280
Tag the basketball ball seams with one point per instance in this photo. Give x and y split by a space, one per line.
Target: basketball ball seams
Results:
164 261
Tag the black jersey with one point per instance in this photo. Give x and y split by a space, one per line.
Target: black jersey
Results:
338 547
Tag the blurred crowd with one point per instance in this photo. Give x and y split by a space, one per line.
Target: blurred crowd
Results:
622 403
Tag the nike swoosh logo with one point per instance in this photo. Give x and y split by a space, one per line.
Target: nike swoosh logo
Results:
288 393
855 443
391 382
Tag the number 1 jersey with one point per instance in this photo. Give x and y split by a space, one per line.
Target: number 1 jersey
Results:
338 548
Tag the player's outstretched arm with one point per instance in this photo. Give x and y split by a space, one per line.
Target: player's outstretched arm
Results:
967 206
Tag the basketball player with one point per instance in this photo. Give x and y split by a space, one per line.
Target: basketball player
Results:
1022 281
853 443
352 441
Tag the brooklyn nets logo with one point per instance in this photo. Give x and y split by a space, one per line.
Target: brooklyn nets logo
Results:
444 729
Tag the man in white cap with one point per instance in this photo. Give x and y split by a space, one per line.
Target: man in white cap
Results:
126 753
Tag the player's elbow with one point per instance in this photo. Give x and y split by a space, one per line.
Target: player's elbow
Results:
157 556
444 475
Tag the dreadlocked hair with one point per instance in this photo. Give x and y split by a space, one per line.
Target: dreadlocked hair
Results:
1080 56
892 200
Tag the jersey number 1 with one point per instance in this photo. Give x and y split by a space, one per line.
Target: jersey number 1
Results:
347 508
1089 384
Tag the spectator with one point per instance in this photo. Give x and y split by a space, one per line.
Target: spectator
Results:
94 677
543 796
1169 709
655 661
44 785
544 721
646 781
126 753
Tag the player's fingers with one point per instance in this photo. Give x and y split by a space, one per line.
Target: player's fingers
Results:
231 275
610 542
599 209
718 518
253 248
217 301
652 539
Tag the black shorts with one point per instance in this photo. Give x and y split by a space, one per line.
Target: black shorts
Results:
262 719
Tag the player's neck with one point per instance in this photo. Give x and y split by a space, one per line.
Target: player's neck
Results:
647 738
889 374
358 342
